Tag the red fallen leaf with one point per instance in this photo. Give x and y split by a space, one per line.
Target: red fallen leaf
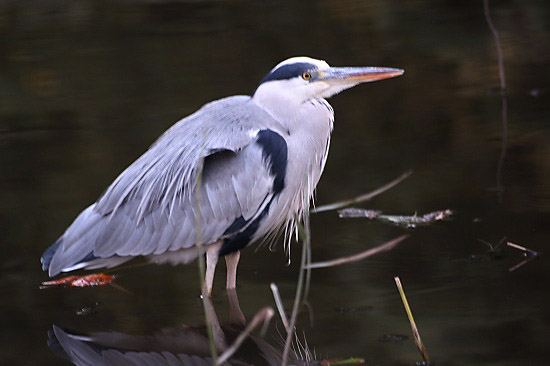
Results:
62 281
96 279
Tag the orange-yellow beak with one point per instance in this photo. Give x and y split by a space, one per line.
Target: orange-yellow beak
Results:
357 74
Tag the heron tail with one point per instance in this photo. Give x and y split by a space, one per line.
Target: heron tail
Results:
49 253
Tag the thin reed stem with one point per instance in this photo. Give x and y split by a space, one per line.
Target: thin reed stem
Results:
416 333
202 270
299 288
280 306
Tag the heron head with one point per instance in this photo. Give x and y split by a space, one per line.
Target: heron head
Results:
302 78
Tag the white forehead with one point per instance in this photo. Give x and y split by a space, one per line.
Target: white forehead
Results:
321 64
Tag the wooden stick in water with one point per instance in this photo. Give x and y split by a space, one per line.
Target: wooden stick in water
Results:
280 306
415 331
357 257
523 249
363 197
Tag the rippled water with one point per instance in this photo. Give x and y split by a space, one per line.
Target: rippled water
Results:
86 87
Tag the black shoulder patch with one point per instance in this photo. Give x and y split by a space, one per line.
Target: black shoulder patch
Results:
237 225
274 151
288 71
243 238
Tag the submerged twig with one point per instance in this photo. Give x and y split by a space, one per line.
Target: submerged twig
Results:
528 252
492 248
521 264
498 47
363 197
357 257
410 221
264 315
504 104
496 252
414 328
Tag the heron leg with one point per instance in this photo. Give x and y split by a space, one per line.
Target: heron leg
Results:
211 261
236 315
232 261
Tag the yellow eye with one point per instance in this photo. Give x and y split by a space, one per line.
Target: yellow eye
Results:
306 75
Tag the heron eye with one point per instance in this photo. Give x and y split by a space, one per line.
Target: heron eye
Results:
306 75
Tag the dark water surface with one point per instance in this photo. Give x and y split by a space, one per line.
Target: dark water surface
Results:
86 87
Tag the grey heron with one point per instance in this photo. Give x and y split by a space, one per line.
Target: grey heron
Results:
240 169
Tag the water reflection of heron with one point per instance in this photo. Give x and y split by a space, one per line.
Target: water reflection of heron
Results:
180 345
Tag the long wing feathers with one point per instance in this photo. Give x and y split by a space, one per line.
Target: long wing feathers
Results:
150 207
77 241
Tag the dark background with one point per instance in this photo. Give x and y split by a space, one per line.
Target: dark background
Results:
86 87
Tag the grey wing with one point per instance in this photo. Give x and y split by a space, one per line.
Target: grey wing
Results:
234 185
150 208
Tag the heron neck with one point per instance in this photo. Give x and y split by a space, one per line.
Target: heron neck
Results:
287 111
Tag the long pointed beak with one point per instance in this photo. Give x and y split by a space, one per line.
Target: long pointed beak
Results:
358 74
